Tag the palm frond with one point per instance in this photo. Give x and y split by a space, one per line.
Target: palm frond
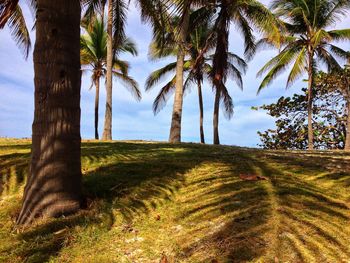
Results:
339 52
298 67
19 31
339 35
7 7
277 65
227 103
238 62
163 96
92 8
328 59
263 20
337 11
235 74
127 46
158 75
247 34
121 66
319 37
130 84
120 8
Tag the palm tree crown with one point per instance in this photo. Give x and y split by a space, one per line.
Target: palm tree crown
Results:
94 58
94 53
307 43
306 24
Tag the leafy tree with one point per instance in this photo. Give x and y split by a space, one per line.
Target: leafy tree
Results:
11 14
94 56
338 81
291 113
307 43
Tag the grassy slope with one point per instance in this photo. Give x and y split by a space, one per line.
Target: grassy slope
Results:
187 202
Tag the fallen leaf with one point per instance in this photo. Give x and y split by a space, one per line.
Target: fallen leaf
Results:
164 259
252 177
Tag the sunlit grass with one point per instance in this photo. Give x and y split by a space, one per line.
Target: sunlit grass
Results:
189 203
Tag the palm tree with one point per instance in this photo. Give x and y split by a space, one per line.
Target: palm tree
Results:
307 42
236 66
244 14
11 14
53 186
151 10
94 56
179 31
195 71
183 7
175 128
116 17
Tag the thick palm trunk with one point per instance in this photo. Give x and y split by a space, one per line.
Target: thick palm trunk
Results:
97 101
310 104
347 141
53 185
216 139
107 130
175 129
201 112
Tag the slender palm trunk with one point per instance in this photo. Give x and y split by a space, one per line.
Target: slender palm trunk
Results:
107 130
201 113
310 104
216 139
220 62
97 101
347 140
175 129
53 186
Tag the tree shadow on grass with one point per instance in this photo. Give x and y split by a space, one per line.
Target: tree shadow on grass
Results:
133 186
235 214
284 218
313 220
13 171
313 161
229 219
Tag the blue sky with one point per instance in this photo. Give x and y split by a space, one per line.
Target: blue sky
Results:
135 120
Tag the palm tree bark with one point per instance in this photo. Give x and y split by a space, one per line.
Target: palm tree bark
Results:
216 139
53 185
347 140
201 111
107 130
175 129
97 101
310 104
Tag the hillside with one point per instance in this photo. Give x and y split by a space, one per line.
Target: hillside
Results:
188 203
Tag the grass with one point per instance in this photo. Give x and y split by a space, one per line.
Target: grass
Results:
187 202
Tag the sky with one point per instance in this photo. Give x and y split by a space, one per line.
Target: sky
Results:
134 120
